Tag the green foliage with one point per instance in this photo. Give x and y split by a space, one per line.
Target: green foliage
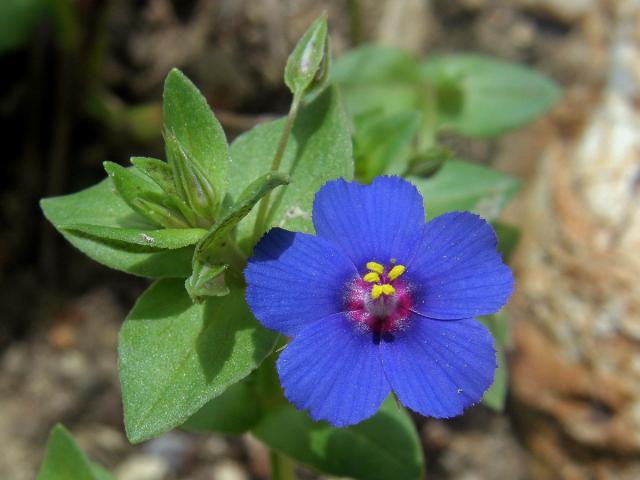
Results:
480 96
209 247
236 411
383 144
378 80
309 60
499 328
64 460
174 355
188 118
319 150
17 20
101 206
460 185
382 447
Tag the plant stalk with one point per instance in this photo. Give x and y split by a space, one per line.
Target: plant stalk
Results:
275 165
282 468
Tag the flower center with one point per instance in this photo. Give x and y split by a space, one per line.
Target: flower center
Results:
379 300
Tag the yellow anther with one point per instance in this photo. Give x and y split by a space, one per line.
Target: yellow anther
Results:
388 289
396 272
376 291
379 290
371 277
375 267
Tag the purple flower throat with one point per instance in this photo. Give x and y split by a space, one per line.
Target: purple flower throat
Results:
379 301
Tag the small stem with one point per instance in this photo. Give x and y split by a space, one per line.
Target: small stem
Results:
275 165
282 468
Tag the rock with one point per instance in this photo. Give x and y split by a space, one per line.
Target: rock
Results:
576 370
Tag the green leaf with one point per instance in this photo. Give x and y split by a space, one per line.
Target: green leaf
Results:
234 412
460 185
64 460
383 144
382 447
319 150
100 205
378 79
210 245
480 96
498 326
174 355
187 116
304 64
169 238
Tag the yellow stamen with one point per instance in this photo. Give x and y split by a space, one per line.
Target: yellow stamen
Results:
376 291
396 272
379 290
371 277
388 289
376 267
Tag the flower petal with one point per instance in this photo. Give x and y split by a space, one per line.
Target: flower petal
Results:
439 368
334 371
294 279
374 222
457 272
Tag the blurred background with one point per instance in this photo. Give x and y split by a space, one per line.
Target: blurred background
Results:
81 83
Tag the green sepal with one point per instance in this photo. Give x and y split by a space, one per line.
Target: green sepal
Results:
145 197
190 181
161 174
63 460
208 248
206 281
158 171
306 66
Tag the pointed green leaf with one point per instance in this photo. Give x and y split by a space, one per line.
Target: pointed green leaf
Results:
169 238
174 355
382 447
101 205
187 116
208 247
481 96
64 460
508 239
319 150
460 185
305 62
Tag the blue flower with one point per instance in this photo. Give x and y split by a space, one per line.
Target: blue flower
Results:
378 301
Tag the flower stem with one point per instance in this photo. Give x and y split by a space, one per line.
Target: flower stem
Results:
282 468
275 165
